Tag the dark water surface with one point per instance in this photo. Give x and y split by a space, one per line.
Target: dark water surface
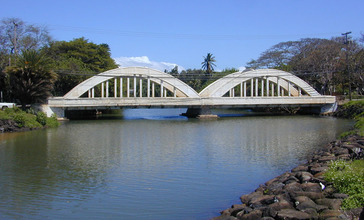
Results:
151 164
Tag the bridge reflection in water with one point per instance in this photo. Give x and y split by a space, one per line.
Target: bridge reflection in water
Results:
139 87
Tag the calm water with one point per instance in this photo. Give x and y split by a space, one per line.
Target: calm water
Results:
151 164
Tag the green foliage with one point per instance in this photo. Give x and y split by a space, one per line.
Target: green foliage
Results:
348 178
41 118
52 121
29 120
31 79
76 60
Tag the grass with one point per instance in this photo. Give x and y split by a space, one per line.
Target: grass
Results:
355 110
29 119
348 177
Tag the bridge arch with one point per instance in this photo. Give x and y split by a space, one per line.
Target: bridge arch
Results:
261 82
131 82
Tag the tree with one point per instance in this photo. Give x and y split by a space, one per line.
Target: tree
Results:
31 79
76 60
208 64
15 36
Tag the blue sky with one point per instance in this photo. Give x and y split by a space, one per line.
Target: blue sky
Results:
161 33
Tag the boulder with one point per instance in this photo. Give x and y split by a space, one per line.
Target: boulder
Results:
330 214
300 168
331 203
253 215
311 187
311 195
290 214
292 187
304 176
245 199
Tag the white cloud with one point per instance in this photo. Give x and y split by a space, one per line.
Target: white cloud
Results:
144 61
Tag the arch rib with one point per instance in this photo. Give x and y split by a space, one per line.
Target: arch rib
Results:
284 79
176 86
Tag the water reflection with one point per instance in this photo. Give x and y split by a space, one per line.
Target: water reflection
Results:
180 169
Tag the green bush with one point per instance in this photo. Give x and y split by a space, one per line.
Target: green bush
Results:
52 121
42 118
28 119
348 178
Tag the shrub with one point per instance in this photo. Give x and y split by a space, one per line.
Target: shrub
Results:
42 118
348 178
52 121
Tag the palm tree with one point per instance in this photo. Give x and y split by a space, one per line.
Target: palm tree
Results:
31 78
208 64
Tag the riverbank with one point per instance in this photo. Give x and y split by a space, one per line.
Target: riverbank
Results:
16 120
303 193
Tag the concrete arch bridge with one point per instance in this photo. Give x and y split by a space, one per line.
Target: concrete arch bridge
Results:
140 87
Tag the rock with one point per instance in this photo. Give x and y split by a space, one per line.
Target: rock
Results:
275 188
361 217
312 212
307 205
273 209
245 199
331 203
330 214
316 170
292 187
326 159
291 179
265 199
339 151
267 218
236 209
304 176
340 196
253 215
299 168
290 214
224 217
311 187
311 195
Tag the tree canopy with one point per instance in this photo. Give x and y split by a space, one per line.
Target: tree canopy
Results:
76 60
31 78
328 65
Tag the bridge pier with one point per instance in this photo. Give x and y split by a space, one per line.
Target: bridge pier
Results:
199 112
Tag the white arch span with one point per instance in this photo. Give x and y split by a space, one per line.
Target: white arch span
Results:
132 75
261 82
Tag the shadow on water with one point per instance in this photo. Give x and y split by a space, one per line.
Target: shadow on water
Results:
159 114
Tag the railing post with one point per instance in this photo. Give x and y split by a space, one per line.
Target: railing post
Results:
102 89
162 91
115 87
278 88
107 89
134 86
141 86
121 87
148 87
128 87
251 87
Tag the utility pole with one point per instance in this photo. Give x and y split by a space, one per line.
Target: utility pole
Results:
346 42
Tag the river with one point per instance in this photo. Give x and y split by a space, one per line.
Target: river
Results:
151 164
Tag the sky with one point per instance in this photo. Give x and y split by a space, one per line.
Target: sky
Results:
163 33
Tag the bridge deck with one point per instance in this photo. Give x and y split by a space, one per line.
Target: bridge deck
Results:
185 102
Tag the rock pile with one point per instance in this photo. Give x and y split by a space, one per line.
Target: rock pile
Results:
8 125
302 193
